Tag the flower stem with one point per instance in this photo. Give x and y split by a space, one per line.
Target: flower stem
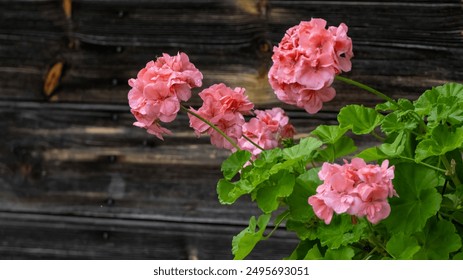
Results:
212 126
285 215
377 136
424 164
252 142
376 242
367 88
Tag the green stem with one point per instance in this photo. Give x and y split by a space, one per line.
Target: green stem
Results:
377 136
367 257
450 170
424 164
252 142
367 88
212 126
373 239
276 226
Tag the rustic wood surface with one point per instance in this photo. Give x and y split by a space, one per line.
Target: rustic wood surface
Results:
77 180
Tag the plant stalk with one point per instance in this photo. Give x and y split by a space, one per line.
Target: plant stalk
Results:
424 164
252 142
367 88
212 126
276 226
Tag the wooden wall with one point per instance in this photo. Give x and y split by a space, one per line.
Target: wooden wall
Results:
77 180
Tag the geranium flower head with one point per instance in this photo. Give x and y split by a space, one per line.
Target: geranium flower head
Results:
267 129
355 188
223 107
306 61
258 132
156 93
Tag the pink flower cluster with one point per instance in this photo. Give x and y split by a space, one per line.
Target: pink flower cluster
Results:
355 188
158 89
306 61
267 130
223 107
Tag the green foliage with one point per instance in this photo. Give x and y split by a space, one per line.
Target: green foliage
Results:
422 139
359 119
232 165
247 239
442 104
341 232
441 140
269 195
329 134
418 198
438 240
343 253
402 246
305 149
306 185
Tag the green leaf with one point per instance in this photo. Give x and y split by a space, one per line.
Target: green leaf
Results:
306 185
329 133
372 154
280 185
301 250
402 247
425 103
306 148
458 256
399 122
360 119
438 95
450 112
341 231
386 106
443 140
268 157
234 163
229 192
343 253
439 239
342 147
395 148
313 254
405 104
303 230
418 198
246 240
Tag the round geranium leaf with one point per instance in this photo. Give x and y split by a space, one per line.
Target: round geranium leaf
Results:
418 198
360 119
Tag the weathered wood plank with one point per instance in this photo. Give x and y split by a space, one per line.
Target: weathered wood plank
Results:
59 159
228 40
27 236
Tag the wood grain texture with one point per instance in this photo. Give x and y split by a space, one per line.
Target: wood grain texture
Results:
77 180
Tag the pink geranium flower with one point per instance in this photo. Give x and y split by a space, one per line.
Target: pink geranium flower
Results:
275 118
267 130
322 211
354 188
154 129
306 62
277 122
224 107
258 132
158 89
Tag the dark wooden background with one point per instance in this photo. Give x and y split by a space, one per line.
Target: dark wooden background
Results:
77 180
